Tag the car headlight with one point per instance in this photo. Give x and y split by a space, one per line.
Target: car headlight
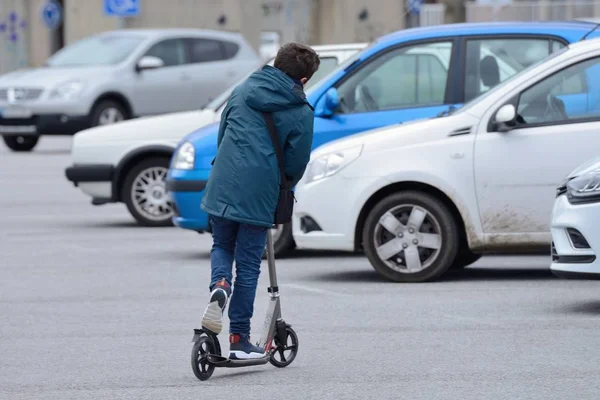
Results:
185 156
66 91
332 163
584 188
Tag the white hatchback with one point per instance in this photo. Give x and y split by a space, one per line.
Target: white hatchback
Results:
425 196
128 162
575 233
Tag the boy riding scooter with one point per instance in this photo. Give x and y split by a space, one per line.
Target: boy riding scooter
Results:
245 194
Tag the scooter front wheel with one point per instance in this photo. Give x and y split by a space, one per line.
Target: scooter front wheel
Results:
284 351
204 346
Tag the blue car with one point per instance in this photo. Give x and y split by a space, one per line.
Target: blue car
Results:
407 75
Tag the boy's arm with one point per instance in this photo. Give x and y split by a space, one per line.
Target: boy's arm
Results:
298 148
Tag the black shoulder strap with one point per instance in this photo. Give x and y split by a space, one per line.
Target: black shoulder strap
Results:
275 139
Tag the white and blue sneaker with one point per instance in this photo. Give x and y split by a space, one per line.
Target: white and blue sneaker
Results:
240 348
212 320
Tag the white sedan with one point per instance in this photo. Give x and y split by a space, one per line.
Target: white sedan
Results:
128 162
425 196
575 217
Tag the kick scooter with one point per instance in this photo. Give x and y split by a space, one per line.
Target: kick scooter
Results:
277 336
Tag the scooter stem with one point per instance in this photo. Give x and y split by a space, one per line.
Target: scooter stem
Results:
271 262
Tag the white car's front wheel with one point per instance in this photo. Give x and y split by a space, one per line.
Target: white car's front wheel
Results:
145 192
410 237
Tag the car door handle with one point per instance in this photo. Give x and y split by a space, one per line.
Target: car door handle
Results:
185 77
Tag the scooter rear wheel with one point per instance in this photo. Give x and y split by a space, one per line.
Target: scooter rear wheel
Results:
204 346
279 357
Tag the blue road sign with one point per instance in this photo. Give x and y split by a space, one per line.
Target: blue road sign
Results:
414 6
51 13
122 8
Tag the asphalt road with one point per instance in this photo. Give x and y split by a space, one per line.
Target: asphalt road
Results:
94 307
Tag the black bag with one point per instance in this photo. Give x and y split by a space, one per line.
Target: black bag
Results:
285 203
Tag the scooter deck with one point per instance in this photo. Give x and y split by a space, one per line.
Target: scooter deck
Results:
224 362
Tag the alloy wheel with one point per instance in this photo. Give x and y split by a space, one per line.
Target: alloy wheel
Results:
408 238
149 194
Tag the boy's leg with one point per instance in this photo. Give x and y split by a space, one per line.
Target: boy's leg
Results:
250 246
224 233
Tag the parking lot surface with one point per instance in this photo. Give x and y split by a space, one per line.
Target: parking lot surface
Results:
94 307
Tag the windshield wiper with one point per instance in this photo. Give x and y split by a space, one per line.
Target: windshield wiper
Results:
447 112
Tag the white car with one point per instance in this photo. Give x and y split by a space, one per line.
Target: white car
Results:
424 196
128 162
575 217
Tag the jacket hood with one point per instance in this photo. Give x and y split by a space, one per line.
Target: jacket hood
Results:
270 90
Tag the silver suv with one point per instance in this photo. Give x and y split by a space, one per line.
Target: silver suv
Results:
118 75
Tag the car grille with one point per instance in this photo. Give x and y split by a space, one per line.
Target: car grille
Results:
21 94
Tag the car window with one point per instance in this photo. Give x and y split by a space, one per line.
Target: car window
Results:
231 49
406 77
205 50
545 102
492 61
171 51
327 65
107 49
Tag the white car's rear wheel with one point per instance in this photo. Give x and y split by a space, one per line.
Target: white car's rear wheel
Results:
410 237
145 193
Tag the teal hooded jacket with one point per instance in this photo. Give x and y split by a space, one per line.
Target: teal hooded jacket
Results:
243 185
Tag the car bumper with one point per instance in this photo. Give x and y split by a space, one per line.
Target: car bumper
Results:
44 124
575 240
95 180
326 213
186 189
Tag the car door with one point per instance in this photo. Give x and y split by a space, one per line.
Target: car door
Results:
518 171
398 85
164 89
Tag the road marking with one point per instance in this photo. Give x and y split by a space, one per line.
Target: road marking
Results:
313 289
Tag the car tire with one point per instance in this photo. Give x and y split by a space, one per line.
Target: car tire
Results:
145 192
465 258
21 142
284 242
431 248
108 112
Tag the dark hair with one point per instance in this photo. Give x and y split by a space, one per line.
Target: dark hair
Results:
297 61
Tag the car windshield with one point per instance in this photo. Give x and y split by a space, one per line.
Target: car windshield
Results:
96 50
501 86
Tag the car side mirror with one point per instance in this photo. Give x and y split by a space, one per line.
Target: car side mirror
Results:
328 103
149 62
505 118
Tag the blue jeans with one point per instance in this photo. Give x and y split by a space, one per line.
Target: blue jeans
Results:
246 244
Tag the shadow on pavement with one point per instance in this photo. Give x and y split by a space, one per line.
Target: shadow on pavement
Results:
110 225
466 275
591 307
241 372
495 274
365 276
